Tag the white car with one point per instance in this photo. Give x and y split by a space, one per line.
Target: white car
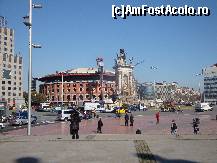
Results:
2 125
203 107
65 115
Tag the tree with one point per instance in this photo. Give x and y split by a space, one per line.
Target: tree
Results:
37 98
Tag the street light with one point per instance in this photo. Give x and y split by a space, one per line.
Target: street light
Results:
154 68
199 85
28 23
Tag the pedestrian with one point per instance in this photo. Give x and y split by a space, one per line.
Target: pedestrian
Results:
131 119
74 126
126 117
174 128
157 115
99 127
195 126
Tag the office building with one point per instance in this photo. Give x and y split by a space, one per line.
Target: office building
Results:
210 84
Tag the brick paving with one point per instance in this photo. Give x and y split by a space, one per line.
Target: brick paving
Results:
146 123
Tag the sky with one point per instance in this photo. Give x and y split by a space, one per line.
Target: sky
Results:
74 33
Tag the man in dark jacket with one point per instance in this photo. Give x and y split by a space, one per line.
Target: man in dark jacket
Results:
74 126
99 127
126 117
131 119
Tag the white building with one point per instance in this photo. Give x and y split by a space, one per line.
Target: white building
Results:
11 66
210 84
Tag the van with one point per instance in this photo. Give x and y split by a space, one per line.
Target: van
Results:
93 106
202 107
65 115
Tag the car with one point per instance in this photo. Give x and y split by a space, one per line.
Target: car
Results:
200 107
2 125
21 118
64 115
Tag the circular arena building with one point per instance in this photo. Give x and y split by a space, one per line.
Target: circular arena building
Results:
78 85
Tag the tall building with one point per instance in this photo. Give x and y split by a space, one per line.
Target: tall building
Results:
125 82
210 84
11 65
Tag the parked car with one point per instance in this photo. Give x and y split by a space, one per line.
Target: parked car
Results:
21 118
200 107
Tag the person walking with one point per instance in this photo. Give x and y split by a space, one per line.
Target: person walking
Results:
74 126
126 117
195 126
174 128
131 119
157 115
99 127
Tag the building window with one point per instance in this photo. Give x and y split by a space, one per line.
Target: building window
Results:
5 43
3 82
11 32
9 82
81 89
14 94
5 38
20 60
20 67
3 93
3 87
74 98
19 88
74 89
68 97
4 57
19 94
9 88
15 66
9 93
15 59
14 88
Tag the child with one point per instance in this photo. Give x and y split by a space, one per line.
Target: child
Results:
174 128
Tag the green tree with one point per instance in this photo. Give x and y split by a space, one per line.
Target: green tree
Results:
37 98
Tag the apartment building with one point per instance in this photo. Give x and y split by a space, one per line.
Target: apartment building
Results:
11 67
210 84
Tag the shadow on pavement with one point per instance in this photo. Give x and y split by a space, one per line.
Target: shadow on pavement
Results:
155 158
28 160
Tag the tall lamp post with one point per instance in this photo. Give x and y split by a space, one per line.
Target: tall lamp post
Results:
154 68
28 23
199 85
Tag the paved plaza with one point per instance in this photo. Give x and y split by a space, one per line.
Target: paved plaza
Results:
118 143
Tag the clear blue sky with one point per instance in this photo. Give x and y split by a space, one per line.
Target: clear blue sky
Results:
74 33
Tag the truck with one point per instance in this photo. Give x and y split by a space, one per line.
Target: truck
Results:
91 106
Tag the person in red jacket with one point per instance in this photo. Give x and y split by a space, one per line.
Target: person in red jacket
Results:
157 117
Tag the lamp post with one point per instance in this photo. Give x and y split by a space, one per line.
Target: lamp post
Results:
62 88
199 85
154 68
28 23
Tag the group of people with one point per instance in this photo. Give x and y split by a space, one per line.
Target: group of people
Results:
74 125
75 120
127 118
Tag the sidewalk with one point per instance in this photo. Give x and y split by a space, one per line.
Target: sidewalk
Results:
126 148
